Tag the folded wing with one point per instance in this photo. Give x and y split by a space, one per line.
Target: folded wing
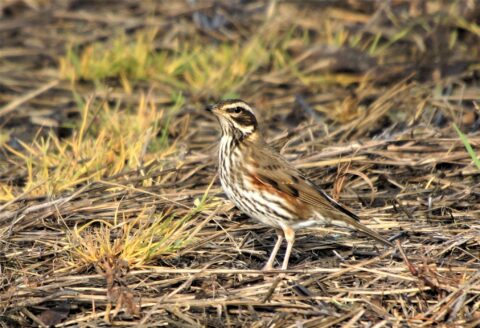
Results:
277 173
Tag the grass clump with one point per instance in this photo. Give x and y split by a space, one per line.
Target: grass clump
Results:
106 142
136 241
191 67
122 57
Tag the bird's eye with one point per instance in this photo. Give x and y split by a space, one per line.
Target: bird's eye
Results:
236 110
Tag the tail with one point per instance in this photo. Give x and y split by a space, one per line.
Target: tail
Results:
367 231
352 221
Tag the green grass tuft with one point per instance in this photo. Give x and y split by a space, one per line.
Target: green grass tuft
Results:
468 146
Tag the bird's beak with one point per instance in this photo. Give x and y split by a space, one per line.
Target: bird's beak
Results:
211 108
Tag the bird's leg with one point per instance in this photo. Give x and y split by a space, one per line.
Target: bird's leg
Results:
290 237
269 265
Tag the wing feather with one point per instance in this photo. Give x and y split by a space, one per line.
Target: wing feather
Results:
280 174
277 173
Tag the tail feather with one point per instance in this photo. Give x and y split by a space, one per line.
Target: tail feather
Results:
369 232
352 222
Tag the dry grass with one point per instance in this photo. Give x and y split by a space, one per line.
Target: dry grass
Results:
111 213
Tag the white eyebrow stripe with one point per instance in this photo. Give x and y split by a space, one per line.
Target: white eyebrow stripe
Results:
239 104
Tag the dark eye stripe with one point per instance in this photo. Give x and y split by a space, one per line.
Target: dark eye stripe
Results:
246 119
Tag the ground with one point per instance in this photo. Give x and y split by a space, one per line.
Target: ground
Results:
111 213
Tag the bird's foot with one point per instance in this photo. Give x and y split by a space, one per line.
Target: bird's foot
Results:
267 276
275 281
267 267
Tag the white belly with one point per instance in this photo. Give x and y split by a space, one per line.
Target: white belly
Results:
262 206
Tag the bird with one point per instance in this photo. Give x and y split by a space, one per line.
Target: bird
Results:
262 184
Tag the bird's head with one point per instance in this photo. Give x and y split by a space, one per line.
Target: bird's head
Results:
236 118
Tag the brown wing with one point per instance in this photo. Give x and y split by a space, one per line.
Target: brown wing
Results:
271 169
